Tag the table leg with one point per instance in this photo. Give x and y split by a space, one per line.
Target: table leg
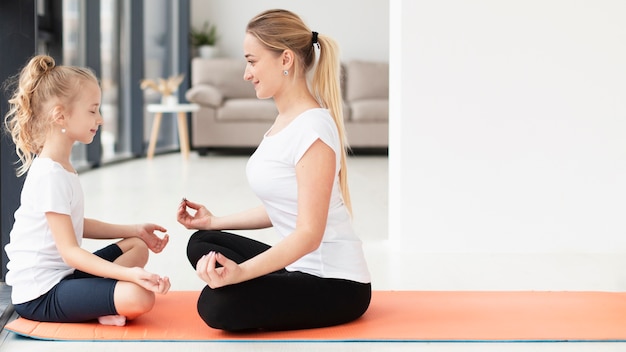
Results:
155 134
183 135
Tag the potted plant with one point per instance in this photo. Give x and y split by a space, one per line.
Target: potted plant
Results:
166 87
204 40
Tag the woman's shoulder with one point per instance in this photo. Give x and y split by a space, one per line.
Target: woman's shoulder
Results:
317 117
317 112
319 123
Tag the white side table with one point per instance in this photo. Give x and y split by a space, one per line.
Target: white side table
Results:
181 110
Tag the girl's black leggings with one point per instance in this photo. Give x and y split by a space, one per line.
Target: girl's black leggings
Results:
281 300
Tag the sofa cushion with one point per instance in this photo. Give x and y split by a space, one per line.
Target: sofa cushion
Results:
224 74
247 110
372 110
205 95
366 80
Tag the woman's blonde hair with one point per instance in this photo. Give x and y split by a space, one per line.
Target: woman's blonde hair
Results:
38 89
280 30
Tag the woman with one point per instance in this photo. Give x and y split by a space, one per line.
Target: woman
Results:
316 275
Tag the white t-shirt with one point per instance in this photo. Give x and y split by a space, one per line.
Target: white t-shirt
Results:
35 265
272 176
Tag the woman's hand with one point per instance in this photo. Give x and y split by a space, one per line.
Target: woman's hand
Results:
200 220
154 242
229 273
151 282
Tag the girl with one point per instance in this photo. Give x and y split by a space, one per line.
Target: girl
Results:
317 275
52 277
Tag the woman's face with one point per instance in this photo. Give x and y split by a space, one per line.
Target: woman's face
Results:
264 68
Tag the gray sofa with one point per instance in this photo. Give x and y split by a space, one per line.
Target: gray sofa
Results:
231 116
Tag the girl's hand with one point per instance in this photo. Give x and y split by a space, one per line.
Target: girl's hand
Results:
229 273
151 282
200 220
154 242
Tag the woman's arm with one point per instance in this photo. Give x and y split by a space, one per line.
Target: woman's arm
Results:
77 257
96 229
252 219
315 173
203 219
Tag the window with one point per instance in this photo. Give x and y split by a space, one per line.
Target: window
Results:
114 135
161 57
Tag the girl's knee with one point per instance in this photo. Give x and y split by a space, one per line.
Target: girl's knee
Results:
132 243
132 300
135 251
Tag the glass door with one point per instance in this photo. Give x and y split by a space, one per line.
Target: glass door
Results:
114 136
161 61
73 49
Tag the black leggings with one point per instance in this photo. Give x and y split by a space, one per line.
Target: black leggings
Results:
281 300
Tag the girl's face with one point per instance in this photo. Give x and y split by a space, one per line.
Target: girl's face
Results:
264 68
84 114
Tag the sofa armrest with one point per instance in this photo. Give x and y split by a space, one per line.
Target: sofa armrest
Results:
205 95
366 80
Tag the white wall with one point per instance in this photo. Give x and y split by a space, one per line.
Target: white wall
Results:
360 26
508 125
507 120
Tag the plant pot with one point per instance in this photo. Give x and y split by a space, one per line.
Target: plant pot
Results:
207 51
169 99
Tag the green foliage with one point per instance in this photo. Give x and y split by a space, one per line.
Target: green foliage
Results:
207 35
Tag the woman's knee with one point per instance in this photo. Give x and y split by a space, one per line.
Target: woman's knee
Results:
217 311
197 243
203 236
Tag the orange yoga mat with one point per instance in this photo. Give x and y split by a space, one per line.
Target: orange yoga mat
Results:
393 316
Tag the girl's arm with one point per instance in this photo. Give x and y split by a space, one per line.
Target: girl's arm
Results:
101 230
315 173
203 219
77 257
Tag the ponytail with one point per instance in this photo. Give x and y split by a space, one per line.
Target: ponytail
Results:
326 87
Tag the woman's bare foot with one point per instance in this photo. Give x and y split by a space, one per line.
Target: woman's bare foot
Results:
116 320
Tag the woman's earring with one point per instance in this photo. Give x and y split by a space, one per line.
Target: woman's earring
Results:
285 72
62 130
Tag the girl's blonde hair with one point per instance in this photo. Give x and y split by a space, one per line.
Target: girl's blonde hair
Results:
279 30
39 88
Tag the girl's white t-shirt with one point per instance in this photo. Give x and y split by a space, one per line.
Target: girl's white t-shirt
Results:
271 173
35 265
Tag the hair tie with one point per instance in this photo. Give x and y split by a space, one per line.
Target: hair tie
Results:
314 39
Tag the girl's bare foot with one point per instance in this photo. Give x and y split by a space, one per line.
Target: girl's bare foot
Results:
116 320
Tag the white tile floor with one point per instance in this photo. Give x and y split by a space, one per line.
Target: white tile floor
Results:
149 190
